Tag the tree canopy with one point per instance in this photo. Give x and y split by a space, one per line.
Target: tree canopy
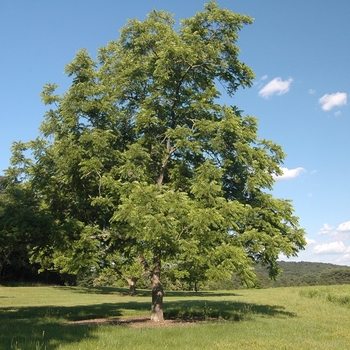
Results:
140 159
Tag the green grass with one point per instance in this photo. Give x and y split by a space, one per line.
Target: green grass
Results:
335 294
281 318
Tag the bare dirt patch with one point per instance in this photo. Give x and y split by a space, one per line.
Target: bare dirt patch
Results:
135 322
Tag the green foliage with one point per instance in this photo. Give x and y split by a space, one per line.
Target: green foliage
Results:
22 225
3 184
139 161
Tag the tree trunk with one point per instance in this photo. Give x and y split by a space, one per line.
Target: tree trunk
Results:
157 288
132 285
157 293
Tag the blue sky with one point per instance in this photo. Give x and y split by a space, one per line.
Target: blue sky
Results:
298 49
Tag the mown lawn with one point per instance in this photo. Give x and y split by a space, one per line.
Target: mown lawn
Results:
280 318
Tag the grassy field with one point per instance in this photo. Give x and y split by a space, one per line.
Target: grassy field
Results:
280 318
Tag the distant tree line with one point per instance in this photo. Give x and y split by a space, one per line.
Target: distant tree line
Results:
305 274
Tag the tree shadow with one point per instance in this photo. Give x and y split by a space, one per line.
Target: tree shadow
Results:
146 292
46 326
201 294
222 310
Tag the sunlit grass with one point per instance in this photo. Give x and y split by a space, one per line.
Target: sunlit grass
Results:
335 294
281 318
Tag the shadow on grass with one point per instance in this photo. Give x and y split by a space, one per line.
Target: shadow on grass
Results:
146 292
222 310
43 327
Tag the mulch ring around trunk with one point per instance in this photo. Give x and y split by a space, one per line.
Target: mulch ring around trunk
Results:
137 322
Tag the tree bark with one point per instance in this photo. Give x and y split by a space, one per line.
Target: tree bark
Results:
157 292
157 288
132 285
1 270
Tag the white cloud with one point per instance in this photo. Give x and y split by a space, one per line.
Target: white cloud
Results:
325 229
312 91
259 82
333 100
337 113
343 260
275 86
289 174
344 227
341 233
330 248
309 241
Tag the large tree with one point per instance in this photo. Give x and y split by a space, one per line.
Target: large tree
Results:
140 157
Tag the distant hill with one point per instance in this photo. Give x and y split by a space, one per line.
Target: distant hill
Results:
294 274
304 273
